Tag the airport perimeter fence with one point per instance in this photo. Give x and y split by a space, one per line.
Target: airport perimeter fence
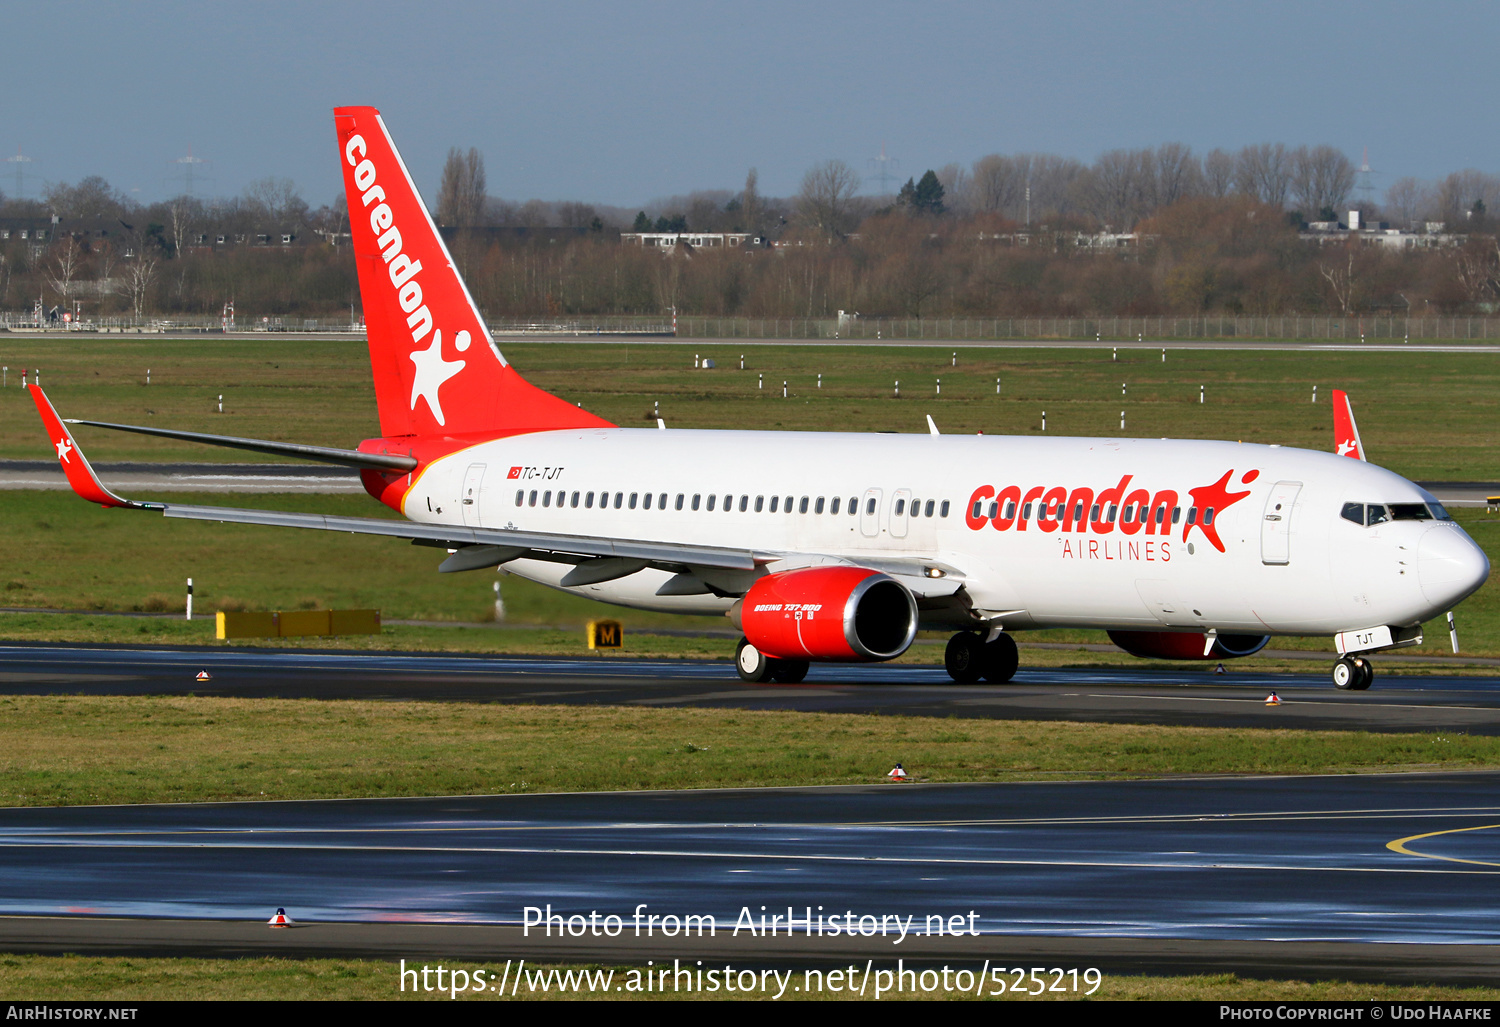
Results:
939 329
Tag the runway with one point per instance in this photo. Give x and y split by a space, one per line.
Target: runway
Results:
1337 862
1145 695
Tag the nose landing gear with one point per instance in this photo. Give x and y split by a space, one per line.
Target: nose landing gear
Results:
1353 673
969 657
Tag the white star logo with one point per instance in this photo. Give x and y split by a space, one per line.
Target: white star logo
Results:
1345 448
432 372
63 449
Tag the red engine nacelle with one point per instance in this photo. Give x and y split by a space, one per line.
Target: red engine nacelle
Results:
829 613
1186 645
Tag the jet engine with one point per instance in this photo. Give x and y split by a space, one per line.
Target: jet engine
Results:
828 613
1187 645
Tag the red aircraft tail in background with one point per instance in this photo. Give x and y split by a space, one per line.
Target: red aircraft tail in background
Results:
437 371
1345 432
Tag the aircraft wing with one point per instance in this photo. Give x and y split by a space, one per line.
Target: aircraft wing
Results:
597 559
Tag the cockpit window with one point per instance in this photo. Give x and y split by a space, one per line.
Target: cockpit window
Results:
1410 512
1376 513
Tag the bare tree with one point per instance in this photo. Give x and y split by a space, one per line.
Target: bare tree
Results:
1461 194
1178 174
1322 178
1340 277
1409 201
750 203
998 185
141 272
461 197
576 215
957 189
275 201
1121 187
1264 171
65 265
1218 174
825 200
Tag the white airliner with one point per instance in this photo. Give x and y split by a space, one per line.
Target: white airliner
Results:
839 547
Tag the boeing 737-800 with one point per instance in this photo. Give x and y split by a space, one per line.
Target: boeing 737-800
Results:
840 547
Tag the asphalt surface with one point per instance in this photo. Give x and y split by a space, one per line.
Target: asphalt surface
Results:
1033 868
1146 695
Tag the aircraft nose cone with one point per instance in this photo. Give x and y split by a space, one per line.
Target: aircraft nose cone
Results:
1449 565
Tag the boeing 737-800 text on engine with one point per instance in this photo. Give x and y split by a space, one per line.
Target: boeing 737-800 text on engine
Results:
824 546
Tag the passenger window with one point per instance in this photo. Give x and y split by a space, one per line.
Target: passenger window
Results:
661 501
1192 515
588 501
775 503
573 501
1094 513
833 507
1176 514
853 505
680 498
696 498
870 506
1113 509
1354 512
979 507
532 501
728 503
647 503
760 503
1010 510
547 498
788 507
1208 516
802 507
900 507
713 500
633 497
1161 514
994 511
943 511
619 500
1127 515
520 496
930 504
818 506
744 503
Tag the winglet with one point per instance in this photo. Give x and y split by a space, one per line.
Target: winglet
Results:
1345 432
74 464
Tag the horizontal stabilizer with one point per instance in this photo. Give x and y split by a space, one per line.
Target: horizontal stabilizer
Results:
321 454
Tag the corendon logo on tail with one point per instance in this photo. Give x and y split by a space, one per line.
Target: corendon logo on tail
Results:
1131 511
430 369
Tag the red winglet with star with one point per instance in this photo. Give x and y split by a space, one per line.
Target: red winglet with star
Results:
74 464
1345 431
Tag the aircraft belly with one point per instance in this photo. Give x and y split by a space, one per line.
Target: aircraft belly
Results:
636 590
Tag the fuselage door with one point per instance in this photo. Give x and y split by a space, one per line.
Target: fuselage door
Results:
1276 525
869 513
900 500
472 481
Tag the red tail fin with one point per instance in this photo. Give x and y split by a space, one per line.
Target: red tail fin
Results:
1345 432
437 371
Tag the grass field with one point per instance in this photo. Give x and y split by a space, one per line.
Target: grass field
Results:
87 750
117 979
1424 415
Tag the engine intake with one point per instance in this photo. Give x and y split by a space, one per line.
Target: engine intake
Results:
829 613
1186 645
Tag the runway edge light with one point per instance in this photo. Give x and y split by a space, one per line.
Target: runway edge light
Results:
203 675
280 919
1273 699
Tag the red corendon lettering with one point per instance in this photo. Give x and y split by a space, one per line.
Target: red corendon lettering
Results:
1166 552
1093 549
1008 504
1078 510
1054 497
976 521
1140 499
1031 494
1108 497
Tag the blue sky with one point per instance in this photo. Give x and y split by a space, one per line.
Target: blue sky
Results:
619 103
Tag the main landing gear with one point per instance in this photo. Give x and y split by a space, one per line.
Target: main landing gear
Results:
969 657
1353 673
757 668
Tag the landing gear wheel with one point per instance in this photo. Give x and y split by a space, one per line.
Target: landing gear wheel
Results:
1353 674
965 657
1001 659
789 672
754 666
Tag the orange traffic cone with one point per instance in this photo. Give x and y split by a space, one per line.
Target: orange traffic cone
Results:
203 675
280 919
1273 699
